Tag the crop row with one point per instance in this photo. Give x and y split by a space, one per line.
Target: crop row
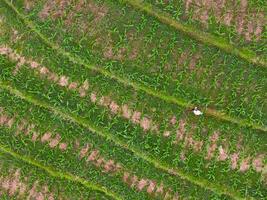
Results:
187 142
59 92
174 64
177 101
240 22
146 123
86 155
185 138
19 180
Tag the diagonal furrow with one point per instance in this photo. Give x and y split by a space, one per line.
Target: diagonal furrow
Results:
85 123
137 86
60 175
206 38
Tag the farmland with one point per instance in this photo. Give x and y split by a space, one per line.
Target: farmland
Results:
96 99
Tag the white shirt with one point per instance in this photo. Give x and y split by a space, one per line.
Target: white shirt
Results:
197 112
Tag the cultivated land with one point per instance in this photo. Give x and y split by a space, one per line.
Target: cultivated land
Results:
96 99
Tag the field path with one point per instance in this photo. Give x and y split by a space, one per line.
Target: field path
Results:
216 188
205 38
61 175
137 86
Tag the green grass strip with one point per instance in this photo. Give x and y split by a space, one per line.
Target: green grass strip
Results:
61 175
203 37
159 94
216 188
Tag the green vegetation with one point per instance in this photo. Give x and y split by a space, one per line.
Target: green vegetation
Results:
239 23
110 76
159 69
20 180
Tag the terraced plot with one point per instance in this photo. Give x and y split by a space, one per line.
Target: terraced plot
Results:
99 93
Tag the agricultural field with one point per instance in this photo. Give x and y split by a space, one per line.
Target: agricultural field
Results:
96 99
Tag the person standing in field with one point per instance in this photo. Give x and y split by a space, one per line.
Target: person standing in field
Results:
197 112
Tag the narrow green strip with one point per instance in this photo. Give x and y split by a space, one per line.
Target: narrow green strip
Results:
203 37
159 94
216 188
60 175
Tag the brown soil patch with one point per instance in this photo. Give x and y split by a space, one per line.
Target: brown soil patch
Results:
15 36
145 123
2 21
29 129
104 101
34 65
53 9
76 144
126 176
84 88
83 7
151 187
121 53
183 57
180 132
14 184
73 85
63 81
257 163
173 120
245 164
222 154
55 141
261 23
93 155
10 122
110 54
28 5
136 117
84 151
3 119
213 145
160 189
114 107
194 61
63 146
182 156
46 137
126 112
93 97
134 181
44 71
166 133
141 184
167 194
187 5
228 17
234 160
35 136
16 188
99 162
109 166
21 127
237 14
